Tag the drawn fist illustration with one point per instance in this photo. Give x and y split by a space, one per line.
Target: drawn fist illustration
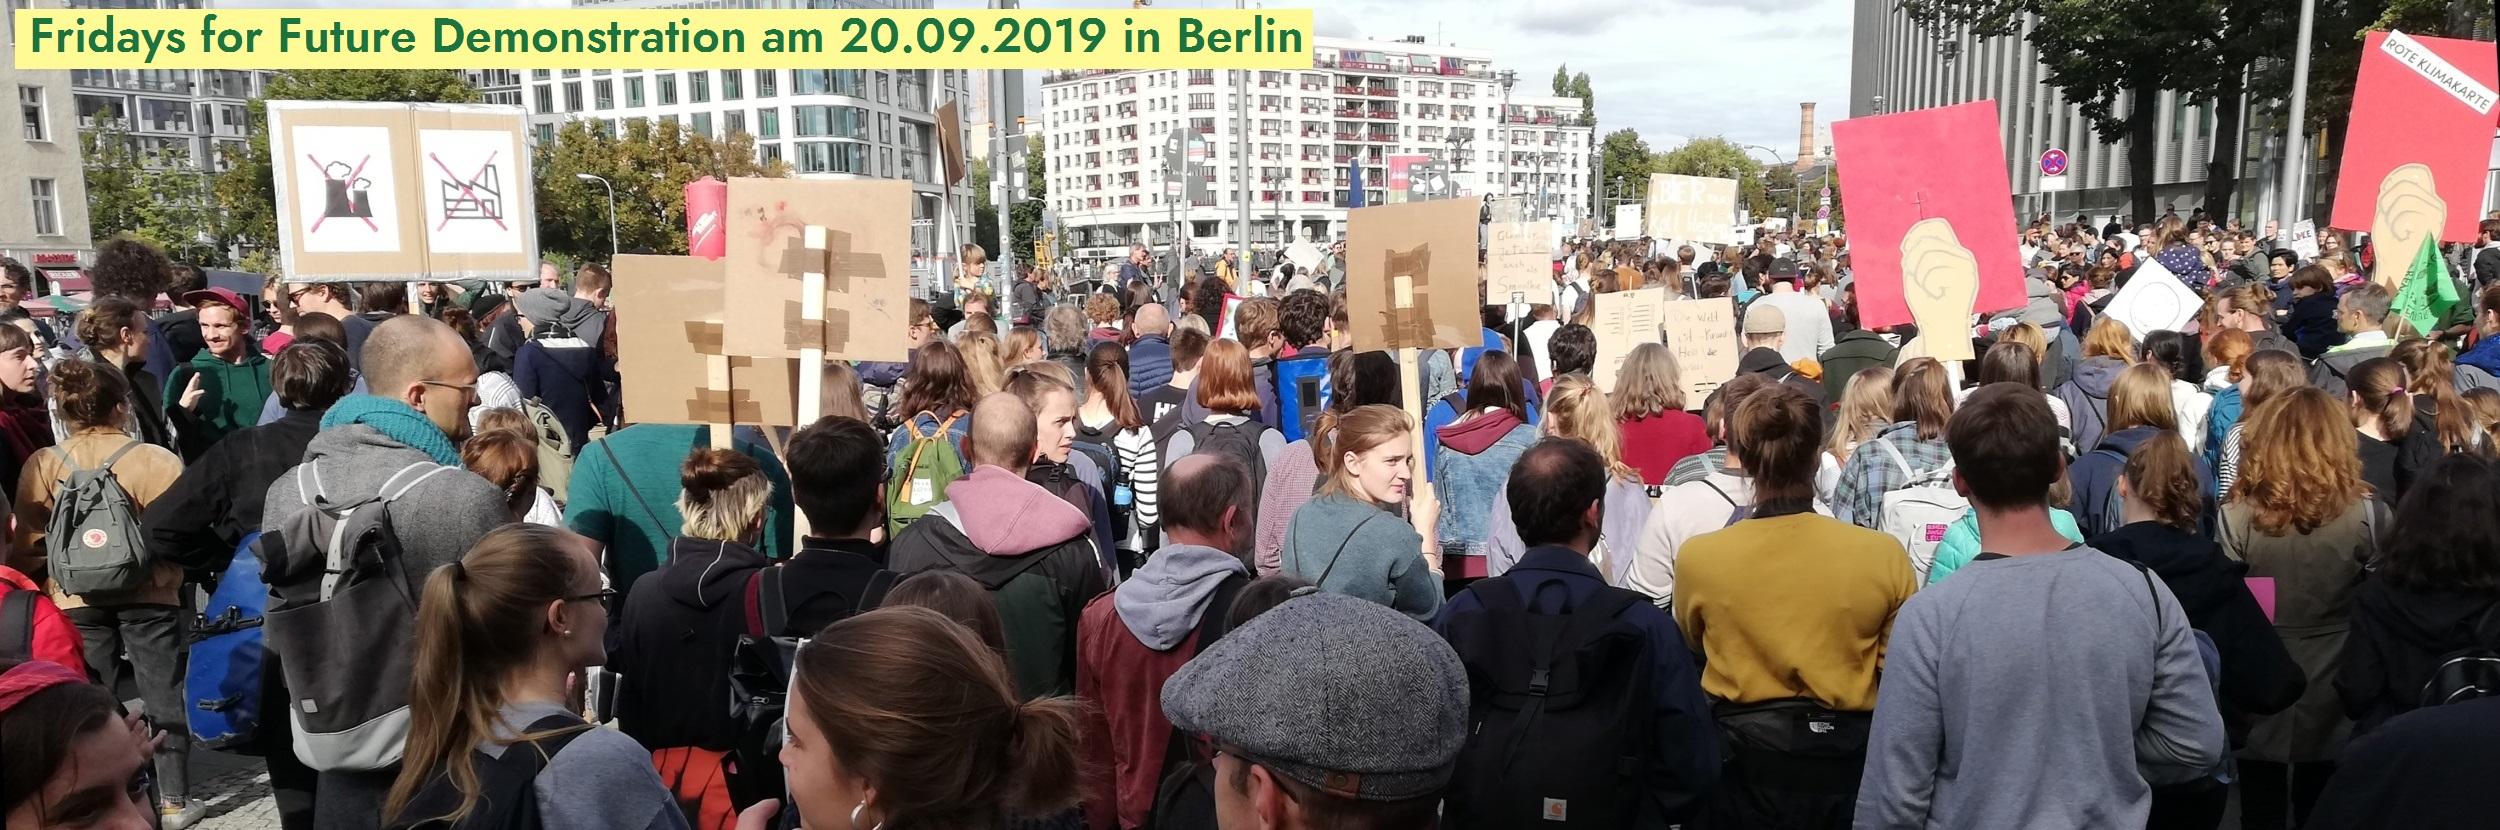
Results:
1940 283
2408 212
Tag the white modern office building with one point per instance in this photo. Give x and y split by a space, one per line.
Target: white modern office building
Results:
1896 66
1391 107
826 123
43 193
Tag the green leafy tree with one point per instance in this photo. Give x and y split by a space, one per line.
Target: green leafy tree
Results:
1588 98
984 208
1024 218
1718 158
649 164
1623 155
152 193
245 193
1562 80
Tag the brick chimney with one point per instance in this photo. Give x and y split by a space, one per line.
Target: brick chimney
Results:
1805 136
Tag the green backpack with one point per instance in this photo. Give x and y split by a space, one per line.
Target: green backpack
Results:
918 483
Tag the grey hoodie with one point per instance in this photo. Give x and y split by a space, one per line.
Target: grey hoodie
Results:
438 519
1162 601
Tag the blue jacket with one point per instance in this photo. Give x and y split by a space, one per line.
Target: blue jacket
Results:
1149 363
2095 476
1480 455
2218 421
2485 356
1688 740
572 380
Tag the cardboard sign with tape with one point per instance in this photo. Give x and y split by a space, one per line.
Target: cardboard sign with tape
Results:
668 328
1411 277
866 262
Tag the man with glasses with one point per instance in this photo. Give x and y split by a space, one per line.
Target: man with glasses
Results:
423 384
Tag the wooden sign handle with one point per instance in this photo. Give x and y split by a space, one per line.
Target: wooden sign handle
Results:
1425 508
812 354
716 376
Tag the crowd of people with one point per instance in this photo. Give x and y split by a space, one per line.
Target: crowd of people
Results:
1169 554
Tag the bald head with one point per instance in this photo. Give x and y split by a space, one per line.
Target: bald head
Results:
408 348
1003 432
1152 319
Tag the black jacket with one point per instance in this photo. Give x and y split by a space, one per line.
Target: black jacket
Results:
824 582
2397 638
2431 768
1854 351
673 640
2258 674
1768 363
197 522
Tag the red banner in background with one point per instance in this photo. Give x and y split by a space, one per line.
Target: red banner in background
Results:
706 198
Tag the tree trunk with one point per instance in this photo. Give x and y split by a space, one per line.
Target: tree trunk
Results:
2143 109
2222 165
2332 160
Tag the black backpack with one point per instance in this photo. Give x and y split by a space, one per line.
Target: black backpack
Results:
2465 674
759 681
1560 730
1238 441
1185 798
507 797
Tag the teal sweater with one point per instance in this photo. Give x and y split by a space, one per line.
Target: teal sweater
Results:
1961 542
1354 548
637 532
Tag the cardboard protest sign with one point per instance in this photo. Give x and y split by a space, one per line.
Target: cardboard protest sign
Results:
375 192
950 141
2154 300
866 262
1519 261
1702 335
668 328
1411 276
1624 321
1628 221
2304 239
1691 209
2419 147
1927 203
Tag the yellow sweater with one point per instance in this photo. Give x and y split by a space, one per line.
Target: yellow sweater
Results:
1791 606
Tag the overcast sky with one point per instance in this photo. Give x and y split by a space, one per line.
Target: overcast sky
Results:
1672 69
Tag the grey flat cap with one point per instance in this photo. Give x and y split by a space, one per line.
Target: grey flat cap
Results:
1341 694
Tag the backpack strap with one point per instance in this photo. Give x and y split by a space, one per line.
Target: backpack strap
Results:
775 611
399 483
879 584
636 492
116 457
17 624
750 607
1736 511
1349 539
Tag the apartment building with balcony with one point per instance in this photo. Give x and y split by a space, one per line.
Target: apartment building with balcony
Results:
1361 103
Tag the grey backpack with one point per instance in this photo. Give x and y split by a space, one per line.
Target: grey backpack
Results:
95 543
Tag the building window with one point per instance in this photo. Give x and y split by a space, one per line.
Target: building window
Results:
546 133
768 153
699 87
545 96
668 89
540 74
733 122
633 91
30 105
885 128
832 157
837 122
703 124
768 123
47 203
572 96
882 89
733 84
767 82
603 93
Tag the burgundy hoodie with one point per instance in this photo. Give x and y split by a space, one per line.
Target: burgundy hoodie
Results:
1475 435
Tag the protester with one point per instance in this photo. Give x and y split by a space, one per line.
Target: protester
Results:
25 419
503 449
1808 319
621 496
1574 351
901 718
1855 351
1132 640
1577 411
2107 350
116 336
1765 334
2176 353
837 474
421 377
561 366
979 350
2113 690
2423 769
2226 354
2361 315
1788 612
1865 411
74 761
1649 404
2262 379
2478 367
1075 477
2140 407
676 635
141 616
2301 516
1150 354
17 282
1228 405
1029 547
1368 737
1111 419
2256 676
1480 448
2431 380
1163 404
136 272
1023 345
1065 339
2432 594
2382 411
1910 451
498 632
223 385
2249 308
1347 539
1354 380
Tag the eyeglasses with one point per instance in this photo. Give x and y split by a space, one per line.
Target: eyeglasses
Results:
467 389
606 598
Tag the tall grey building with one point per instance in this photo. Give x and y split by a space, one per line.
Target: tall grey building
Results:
1897 66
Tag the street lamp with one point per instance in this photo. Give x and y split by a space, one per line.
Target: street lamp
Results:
611 211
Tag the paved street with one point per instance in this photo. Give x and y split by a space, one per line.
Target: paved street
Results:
235 789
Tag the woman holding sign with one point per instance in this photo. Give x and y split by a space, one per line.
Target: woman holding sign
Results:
1350 538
